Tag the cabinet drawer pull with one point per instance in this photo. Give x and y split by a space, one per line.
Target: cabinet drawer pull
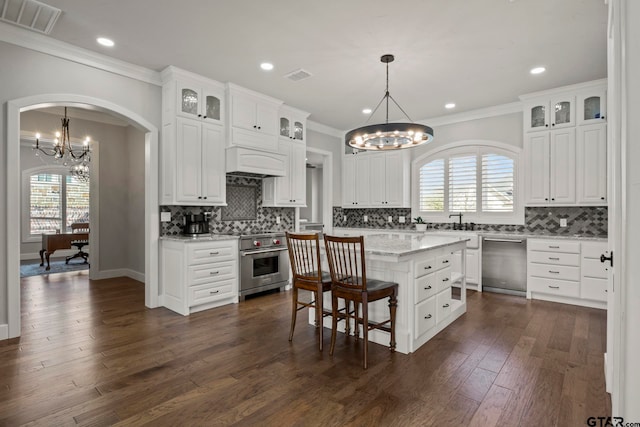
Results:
446 279
428 316
554 247
214 253
213 292
446 261
554 258
554 287
213 273
427 288
554 272
428 267
445 306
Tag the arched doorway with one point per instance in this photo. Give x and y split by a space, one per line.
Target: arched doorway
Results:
14 108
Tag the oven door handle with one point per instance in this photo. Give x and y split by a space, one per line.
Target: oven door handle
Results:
263 251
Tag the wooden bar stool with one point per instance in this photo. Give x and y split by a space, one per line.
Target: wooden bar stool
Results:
349 281
304 254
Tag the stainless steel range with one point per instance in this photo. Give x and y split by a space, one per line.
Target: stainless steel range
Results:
264 263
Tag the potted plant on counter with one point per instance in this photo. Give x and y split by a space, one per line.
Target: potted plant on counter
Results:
420 224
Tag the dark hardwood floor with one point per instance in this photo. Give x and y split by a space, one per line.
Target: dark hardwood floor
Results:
92 354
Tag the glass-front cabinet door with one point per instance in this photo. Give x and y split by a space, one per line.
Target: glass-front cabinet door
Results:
285 127
298 130
562 112
188 101
213 108
592 106
536 116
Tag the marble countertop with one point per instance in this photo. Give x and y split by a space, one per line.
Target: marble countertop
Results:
200 238
406 244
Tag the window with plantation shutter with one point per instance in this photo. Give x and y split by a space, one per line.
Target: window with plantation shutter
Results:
462 184
432 186
497 183
477 181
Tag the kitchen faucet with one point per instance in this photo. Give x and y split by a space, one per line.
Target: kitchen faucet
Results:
457 226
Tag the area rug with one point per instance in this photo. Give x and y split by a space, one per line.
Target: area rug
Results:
34 269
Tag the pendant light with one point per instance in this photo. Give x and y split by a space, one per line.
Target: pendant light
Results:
388 136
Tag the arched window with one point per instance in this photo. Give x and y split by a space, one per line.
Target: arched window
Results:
481 181
53 199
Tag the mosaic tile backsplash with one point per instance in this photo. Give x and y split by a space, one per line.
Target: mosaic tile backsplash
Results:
581 220
257 218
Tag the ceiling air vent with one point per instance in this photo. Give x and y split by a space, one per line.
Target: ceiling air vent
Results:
296 75
30 14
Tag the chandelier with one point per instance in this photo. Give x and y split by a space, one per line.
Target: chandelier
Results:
77 160
388 136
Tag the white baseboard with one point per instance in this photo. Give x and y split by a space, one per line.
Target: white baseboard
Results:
120 272
4 332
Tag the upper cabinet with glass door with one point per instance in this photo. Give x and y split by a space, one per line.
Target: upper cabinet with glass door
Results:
592 106
292 123
200 101
549 113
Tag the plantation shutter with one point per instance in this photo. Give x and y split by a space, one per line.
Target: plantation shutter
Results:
432 187
462 184
497 183
45 207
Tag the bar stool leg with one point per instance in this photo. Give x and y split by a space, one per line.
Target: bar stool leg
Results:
319 313
294 312
393 304
334 322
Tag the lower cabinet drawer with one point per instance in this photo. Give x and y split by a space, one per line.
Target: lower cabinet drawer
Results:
556 258
426 286
425 316
593 289
553 246
203 253
444 260
210 292
443 305
443 279
554 287
424 266
594 268
560 272
207 273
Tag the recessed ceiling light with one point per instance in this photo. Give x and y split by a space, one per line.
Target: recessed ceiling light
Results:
538 70
366 111
105 41
267 66
449 106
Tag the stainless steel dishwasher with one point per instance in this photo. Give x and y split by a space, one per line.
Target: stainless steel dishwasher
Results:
504 265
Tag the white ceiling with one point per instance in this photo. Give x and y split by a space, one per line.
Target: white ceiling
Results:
476 53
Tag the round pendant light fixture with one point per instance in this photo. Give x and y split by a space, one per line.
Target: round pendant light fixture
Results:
388 136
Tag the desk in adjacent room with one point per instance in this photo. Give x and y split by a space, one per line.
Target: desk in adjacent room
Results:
53 242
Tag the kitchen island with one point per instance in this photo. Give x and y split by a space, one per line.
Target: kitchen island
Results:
430 295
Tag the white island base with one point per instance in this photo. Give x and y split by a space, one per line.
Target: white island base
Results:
422 267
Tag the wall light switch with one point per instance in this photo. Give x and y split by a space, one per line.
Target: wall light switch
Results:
165 216
401 220
365 218
563 222
390 218
277 220
344 218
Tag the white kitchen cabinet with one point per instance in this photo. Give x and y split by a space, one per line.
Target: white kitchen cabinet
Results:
592 106
192 152
550 167
591 149
389 181
200 169
198 275
356 188
253 119
292 123
549 113
594 273
289 190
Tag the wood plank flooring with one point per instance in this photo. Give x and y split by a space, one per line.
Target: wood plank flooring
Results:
91 354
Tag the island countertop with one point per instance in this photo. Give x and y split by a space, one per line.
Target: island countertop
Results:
406 244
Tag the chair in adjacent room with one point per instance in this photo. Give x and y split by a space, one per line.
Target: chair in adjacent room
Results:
346 257
79 227
304 254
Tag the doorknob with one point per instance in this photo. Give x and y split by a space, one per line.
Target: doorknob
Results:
604 258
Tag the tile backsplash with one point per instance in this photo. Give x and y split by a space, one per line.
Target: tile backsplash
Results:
581 220
255 217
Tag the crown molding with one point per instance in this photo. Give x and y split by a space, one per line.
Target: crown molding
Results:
481 113
571 88
50 46
327 130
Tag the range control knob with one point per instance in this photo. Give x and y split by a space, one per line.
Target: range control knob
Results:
276 241
257 243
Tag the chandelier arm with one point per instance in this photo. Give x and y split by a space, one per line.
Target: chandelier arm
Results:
378 106
398 105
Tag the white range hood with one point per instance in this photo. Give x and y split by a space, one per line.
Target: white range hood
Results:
249 161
